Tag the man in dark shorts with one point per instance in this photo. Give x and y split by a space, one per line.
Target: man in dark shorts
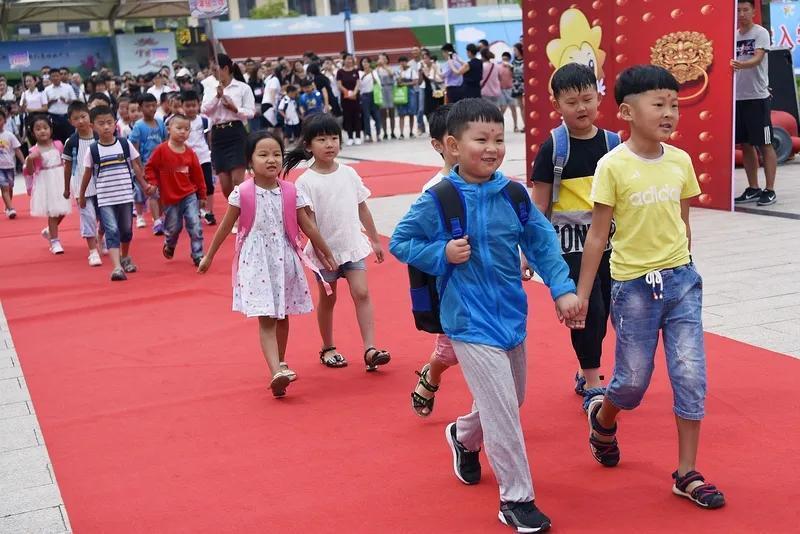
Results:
753 123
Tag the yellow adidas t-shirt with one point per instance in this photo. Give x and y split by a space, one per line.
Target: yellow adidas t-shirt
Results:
646 196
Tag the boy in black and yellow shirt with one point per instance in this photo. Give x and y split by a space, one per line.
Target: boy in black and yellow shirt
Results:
562 176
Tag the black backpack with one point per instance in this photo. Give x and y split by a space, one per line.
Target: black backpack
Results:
425 297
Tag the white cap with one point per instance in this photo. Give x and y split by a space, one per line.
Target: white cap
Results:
183 73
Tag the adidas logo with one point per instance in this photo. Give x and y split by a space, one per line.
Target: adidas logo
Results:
655 195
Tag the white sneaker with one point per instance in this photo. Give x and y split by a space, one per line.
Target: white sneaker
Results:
359 141
11 213
140 222
46 234
94 259
349 142
55 247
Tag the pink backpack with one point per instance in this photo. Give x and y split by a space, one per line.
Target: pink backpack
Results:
37 164
247 217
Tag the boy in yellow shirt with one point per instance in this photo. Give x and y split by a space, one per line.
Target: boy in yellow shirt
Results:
646 186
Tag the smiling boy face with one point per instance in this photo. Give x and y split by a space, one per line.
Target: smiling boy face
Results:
479 150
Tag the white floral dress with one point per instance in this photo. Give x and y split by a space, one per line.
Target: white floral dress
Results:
270 281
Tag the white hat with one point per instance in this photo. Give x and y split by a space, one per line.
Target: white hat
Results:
183 73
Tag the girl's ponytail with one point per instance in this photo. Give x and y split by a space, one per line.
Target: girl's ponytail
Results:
223 60
293 158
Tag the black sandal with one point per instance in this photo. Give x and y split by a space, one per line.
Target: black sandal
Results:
379 357
705 495
332 360
418 402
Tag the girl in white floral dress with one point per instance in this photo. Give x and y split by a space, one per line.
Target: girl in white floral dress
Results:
268 278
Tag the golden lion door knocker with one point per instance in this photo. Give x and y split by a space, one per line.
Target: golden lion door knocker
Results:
687 55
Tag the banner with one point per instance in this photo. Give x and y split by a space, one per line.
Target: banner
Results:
785 21
83 55
501 36
141 53
203 9
693 40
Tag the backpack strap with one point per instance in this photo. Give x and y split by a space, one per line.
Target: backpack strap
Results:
247 215
613 140
560 157
452 209
204 120
74 143
292 228
517 195
94 150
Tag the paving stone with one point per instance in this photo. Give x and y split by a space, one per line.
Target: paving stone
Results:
43 521
26 500
11 371
6 361
15 409
18 433
29 458
791 327
24 479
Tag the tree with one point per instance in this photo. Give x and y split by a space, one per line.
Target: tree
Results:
275 9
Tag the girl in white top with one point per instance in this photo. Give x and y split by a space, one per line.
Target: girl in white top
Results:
269 282
32 100
337 201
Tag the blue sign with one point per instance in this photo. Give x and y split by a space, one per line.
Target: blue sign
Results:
501 36
785 20
82 54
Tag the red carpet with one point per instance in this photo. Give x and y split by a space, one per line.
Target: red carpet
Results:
153 402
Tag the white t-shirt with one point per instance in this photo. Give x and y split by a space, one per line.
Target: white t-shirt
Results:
408 74
367 81
114 181
289 108
197 139
752 84
8 149
334 199
34 100
79 165
64 91
158 91
433 181
123 128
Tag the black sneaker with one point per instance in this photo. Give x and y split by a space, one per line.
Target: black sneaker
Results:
767 198
197 260
466 464
210 219
168 251
751 194
523 516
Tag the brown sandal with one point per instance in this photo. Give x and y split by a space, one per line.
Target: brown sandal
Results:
378 357
332 360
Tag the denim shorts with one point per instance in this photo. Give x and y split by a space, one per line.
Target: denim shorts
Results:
332 276
88 217
7 178
668 302
117 222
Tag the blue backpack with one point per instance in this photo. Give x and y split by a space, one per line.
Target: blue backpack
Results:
425 297
561 153
74 142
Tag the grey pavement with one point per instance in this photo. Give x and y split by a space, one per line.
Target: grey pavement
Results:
787 187
749 261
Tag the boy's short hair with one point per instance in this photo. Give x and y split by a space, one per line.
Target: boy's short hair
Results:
164 97
751 2
471 110
402 59
149 97
100 96
100 110
291 89
506 55
572 77
642 78
77 106
437 121
190 95
179 116
305 83
125 99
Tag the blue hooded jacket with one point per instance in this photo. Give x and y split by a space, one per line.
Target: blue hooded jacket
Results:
484 302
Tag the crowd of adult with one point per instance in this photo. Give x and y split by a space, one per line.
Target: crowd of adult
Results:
375 98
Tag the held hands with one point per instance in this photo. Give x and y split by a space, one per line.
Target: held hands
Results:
578 322
378 250
203 203
458 251
525 269
567 308
326 259
66 193
150 189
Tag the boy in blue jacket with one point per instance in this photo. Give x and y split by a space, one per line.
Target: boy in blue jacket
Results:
484 308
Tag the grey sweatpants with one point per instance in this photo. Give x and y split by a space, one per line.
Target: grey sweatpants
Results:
496 379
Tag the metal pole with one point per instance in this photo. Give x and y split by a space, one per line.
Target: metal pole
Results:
446 7
348 32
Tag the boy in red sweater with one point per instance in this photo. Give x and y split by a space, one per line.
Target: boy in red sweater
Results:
174 168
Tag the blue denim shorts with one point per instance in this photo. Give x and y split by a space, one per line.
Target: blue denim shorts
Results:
667 302
117 223
7 178
332 276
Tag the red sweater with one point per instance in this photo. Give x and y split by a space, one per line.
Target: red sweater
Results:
177 174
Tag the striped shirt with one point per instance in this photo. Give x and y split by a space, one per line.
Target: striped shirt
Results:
114 179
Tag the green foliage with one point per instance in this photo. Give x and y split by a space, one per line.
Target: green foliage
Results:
275 9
